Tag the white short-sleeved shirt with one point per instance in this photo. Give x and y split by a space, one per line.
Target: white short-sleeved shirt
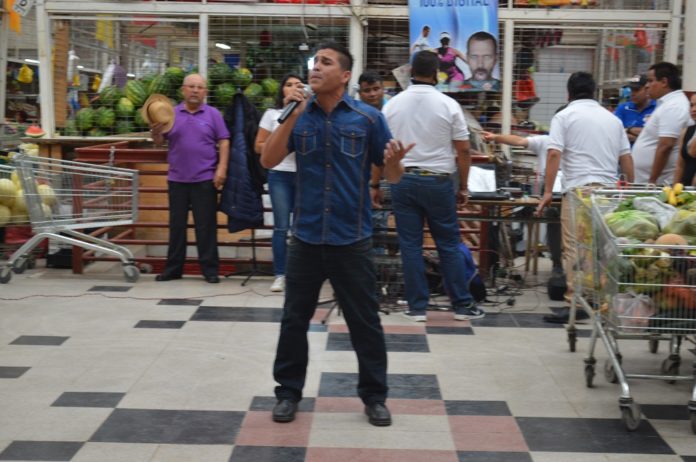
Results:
667 121
591 140
269 122
539 146
432 120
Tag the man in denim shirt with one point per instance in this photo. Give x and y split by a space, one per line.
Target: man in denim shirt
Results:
337 140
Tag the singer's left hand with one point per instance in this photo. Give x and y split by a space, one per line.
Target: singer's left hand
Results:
395 151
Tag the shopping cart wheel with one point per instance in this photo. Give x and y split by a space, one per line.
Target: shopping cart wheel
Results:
572 339
630 414
609 372
31 263
589 375
131 272
5 274
20 265
670 366
653 344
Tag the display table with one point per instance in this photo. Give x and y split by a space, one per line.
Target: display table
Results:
57 146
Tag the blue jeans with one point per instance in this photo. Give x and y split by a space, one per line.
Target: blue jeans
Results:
281 187
351 270
432 198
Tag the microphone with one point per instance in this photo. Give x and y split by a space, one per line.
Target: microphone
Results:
293 105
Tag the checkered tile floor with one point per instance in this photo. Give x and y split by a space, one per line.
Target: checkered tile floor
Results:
94 369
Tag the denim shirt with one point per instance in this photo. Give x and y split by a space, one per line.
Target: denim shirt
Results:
334 153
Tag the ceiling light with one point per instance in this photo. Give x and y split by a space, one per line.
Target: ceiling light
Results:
223 46
80 67
130 75
31 61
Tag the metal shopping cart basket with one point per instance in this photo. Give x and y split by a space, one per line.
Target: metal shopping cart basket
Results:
61 197
643 291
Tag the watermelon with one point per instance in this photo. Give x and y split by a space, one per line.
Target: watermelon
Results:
254 92
147 79
125 108
175 76
104 117
123 126
97 132
71 129
110 95
34 131
267 103
220 73
138 120
159 84
270 86
136 92
84 119
224 93
242 77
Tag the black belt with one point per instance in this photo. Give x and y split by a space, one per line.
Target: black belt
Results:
421 172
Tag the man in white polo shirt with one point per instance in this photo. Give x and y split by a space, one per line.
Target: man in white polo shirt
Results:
587 142
435 123
655 152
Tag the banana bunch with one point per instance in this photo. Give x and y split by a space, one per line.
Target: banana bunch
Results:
676 195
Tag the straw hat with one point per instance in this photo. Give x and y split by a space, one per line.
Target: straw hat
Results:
158 109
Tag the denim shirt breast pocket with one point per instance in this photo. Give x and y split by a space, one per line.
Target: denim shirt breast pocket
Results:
353 141
306 141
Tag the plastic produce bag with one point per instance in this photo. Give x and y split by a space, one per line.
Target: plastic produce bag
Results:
684 224
636 224
662 212
634 311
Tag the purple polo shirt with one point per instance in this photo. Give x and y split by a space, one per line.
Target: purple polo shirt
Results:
193 141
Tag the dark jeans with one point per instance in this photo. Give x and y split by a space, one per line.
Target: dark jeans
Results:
201 197
351 271
417 199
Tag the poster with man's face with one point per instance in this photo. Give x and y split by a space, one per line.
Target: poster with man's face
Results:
464 34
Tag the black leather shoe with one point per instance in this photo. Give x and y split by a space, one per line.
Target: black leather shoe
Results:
284 411
378 414
212 279
166 277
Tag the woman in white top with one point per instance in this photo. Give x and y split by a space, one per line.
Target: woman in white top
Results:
281 182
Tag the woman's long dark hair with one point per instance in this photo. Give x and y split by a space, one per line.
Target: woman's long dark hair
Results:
281 95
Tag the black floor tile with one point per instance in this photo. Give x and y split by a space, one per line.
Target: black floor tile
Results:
590 435
51 340
169 427
7 372
180 302
495 408
226 313
402 386
665 411
266 403
160 324
443 330
412 343
494 456
88 399
267 454
689 458
110 289
583 333
41 450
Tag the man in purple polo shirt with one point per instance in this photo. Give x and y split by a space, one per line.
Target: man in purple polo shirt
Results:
199 144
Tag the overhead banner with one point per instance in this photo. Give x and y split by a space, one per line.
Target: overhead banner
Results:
464 34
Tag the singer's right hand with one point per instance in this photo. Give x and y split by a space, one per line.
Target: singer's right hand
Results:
300 95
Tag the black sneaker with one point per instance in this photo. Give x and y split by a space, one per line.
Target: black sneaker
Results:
468 312
415 316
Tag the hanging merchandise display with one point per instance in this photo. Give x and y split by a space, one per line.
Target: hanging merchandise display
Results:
25 74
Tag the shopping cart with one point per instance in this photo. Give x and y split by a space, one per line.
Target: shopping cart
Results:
642 291
61 197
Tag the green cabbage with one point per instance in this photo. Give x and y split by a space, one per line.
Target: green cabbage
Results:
632 223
